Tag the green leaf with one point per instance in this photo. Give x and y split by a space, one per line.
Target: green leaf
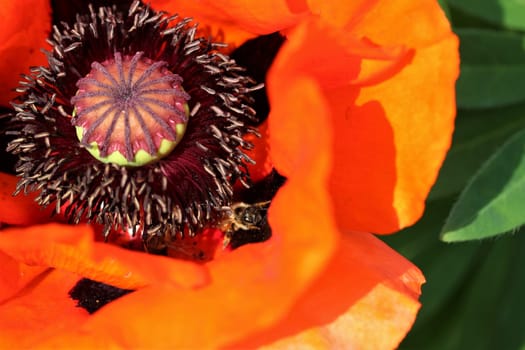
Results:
485 310
444 6
461 19
492 68
505 13
493 202
478 134
473 298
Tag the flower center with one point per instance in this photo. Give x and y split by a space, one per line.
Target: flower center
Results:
103 131
130 110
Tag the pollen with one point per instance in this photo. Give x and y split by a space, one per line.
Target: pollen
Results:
130 110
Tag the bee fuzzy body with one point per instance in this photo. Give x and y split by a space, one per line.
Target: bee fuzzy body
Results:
245 223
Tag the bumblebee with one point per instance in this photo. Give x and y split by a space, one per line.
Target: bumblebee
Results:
245 223
241 223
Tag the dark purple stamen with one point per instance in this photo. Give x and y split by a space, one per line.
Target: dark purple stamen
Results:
123 79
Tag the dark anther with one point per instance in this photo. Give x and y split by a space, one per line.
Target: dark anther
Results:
257 55
68 10
7 160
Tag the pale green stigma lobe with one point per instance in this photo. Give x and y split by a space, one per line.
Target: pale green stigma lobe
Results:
130 110
141 157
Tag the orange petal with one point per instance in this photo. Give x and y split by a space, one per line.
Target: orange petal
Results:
384 112
392 140
72 249
404 22
341 13
21 37
366 298
380 320
15 275
334 57
259 17
22 209
298 108
40 310
252 287
337 64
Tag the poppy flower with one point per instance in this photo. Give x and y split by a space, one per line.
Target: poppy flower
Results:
361 98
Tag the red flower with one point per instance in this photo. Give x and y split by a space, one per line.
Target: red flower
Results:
362 107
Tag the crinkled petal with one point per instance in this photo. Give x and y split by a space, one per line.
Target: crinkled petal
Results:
15 275
40 310
380 320
366 298
72 249
338 64
384 109
400 130
42 263
412 113
23 31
